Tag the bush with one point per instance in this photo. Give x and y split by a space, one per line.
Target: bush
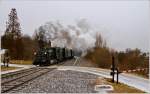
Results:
128 60
101 56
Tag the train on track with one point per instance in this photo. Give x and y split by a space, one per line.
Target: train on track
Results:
52 55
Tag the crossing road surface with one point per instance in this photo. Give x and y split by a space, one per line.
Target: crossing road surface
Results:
131 80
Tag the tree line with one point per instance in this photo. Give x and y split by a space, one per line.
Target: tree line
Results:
125 60
21 47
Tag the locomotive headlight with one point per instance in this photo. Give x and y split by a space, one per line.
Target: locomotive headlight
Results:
45 53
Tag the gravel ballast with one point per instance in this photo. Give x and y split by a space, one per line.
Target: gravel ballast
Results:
60 81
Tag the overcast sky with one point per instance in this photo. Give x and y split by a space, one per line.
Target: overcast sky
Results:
124 24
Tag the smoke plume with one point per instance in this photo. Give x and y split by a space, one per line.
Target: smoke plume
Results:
78 37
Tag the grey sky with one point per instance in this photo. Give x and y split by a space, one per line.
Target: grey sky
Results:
124 24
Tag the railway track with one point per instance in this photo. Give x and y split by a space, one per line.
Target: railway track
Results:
11 81
3 76
14 75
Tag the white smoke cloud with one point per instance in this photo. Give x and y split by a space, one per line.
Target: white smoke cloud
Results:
79 37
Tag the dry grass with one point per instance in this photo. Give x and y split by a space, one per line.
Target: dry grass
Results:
118 88
4 68
24 62
122 88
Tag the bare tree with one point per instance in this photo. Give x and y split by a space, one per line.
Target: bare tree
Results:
99 41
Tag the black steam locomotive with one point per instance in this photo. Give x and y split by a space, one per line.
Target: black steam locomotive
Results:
52 55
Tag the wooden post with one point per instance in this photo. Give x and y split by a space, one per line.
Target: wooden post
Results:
113 68
117 75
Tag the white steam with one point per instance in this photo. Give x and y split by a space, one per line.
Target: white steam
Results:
79 37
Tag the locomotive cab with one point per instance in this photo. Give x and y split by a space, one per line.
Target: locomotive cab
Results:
51 55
